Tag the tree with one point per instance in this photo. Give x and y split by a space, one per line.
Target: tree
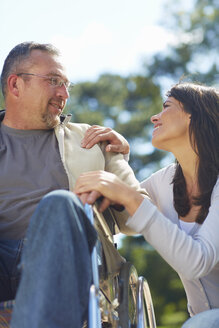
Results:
125 104
196 53
167 291
195 56
1 99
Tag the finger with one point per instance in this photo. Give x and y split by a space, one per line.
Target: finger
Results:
114 148
85 182
91 133
123 149
83 197
94 139
98 138
93 196
104 204
97 135
92 129
86 140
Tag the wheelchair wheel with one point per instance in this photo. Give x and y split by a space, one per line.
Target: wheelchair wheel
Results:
127 309
145 308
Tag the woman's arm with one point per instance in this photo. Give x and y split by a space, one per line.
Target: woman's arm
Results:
192 256
109 186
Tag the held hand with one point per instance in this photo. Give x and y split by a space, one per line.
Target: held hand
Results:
96 133
111 187
91 197
83 197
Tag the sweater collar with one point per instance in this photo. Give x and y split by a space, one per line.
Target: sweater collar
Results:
64 119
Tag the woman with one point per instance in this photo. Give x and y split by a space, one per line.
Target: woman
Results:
180 219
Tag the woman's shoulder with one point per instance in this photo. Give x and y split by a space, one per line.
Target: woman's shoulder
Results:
160 181
164 174
160 188
215 192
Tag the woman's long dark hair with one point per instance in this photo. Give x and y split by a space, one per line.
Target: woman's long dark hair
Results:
202 103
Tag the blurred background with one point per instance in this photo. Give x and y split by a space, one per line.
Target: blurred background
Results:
122 56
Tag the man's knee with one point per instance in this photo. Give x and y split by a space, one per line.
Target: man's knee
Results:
59 208
58 198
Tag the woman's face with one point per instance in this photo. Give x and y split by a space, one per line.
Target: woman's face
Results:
171 126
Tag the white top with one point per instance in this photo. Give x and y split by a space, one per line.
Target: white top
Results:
186 226
194 255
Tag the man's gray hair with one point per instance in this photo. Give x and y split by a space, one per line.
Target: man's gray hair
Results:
20 54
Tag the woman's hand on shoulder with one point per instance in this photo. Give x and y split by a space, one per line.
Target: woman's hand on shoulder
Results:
116 142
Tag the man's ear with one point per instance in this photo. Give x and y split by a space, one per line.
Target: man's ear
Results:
13 85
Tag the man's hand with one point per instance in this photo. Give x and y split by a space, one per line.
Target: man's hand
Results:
116 142
114 190
91 197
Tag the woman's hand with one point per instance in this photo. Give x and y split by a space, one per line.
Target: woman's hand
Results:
96 133
109 186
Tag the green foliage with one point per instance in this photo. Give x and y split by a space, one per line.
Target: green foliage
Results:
1 99
196 53
120 101
123 103
196 57
127 103
167 291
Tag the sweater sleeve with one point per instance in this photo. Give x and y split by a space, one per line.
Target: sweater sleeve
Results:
115 163
193 256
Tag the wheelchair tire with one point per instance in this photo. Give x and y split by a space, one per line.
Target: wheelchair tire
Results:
127 309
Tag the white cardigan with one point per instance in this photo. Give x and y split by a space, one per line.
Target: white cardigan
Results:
195 256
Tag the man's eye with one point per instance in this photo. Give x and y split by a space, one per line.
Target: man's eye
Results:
54 81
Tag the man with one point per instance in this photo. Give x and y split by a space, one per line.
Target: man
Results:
41 158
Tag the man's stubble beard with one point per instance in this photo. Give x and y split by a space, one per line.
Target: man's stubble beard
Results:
50 120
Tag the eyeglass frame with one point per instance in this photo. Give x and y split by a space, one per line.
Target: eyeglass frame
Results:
68 85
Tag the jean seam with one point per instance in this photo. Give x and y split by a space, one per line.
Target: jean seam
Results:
15 276
18 255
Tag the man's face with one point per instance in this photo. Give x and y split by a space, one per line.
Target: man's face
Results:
43 101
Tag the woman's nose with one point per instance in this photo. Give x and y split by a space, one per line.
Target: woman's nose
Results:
154 118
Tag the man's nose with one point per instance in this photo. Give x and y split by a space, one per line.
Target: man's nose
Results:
62 92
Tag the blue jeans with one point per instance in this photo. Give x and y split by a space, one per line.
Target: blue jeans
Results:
56 265
10 254
206 319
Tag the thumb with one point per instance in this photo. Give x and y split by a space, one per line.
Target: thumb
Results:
104 204
114 148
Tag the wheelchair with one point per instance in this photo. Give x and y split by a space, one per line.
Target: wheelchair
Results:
118 297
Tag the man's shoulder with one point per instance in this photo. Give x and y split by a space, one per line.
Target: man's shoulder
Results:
79 128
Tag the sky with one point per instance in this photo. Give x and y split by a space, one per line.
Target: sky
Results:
95 37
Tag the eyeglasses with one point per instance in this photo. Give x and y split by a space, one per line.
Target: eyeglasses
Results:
54 81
